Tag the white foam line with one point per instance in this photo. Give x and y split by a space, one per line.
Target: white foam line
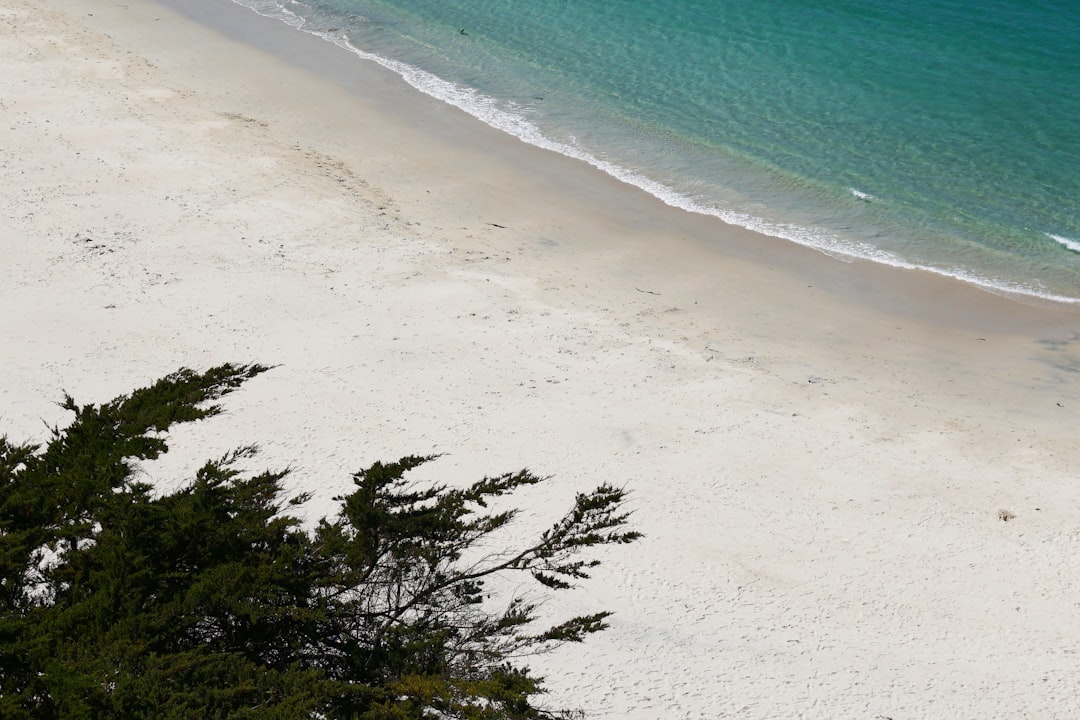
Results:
1065 242
485 109
276 11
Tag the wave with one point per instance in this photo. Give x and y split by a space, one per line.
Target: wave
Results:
277 11
513 122
1065 242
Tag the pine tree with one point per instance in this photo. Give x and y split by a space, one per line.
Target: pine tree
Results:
214 602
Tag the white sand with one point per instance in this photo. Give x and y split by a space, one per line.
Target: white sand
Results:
818 460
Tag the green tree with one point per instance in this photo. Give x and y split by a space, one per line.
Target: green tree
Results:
215 602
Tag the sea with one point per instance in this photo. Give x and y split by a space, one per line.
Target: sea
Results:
942 135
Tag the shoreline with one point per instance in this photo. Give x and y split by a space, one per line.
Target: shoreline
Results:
915 290
816 453
806 237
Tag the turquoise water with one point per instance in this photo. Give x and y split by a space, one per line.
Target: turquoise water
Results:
934 133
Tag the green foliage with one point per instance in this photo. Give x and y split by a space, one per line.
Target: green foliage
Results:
213 602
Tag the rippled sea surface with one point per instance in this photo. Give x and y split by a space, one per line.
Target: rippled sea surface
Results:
940 134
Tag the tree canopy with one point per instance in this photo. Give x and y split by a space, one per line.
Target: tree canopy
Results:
119 601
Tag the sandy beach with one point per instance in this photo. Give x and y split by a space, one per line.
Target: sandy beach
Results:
819 452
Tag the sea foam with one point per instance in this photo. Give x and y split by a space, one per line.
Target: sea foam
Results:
509 117
1065 242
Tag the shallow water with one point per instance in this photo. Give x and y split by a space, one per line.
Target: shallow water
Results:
935 133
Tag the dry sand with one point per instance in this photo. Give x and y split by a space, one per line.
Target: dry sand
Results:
818 451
